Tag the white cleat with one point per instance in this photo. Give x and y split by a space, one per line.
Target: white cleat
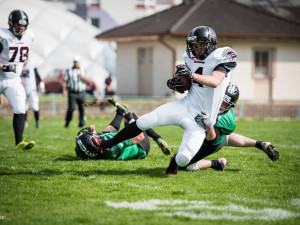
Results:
223 163
270 150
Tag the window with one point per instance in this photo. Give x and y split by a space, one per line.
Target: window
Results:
141 55
262 63
95 22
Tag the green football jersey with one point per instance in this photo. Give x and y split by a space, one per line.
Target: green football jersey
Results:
125 150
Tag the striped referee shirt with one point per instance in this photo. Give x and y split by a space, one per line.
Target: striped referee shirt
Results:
74 83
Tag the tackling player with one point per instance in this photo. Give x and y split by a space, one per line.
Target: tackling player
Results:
209 68
14 49
221 134
134 148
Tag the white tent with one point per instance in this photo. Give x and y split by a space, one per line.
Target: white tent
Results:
61 35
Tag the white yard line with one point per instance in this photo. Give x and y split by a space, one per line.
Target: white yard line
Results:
205 210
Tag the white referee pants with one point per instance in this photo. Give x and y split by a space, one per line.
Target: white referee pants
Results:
177 114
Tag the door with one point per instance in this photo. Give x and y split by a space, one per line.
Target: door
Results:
145 69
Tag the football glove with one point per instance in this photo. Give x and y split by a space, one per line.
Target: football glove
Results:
176 85
9 68
184 70
204 121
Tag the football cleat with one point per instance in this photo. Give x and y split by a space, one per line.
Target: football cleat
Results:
173 167
118 106
165 148
25 145
223 162
270 150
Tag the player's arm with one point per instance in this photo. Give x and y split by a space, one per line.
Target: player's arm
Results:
227 61
39 82
213 80
210 134
7 67
85 78
204 121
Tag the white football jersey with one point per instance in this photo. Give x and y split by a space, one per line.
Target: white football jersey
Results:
204 98
14 51
28 76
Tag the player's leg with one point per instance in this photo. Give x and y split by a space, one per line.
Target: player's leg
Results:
237 140
15 94
115 124
81 108
162 144
192 140
34 100
71 108
167 114
219 164
26 111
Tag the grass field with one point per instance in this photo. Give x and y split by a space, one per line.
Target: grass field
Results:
49 185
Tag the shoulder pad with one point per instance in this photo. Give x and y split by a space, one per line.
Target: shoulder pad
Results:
226 56
4 33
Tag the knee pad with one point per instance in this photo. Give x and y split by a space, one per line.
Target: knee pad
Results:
182 159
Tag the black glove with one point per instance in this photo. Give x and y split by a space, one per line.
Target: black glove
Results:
184 70
9 68
176 85
203 120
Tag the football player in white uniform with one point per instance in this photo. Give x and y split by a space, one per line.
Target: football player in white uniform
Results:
209 68
14 49
33 84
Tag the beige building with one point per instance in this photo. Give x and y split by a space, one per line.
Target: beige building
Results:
268 48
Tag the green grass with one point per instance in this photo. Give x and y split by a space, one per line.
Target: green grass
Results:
49 185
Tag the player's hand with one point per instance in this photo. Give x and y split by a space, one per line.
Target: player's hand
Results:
9 68
204 121
176 85
184 70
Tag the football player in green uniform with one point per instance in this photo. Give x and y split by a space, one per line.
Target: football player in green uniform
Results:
221 134
134 148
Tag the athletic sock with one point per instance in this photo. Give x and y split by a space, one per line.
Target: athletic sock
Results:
128 132
116 122
18 124
36 115
258 145
151 133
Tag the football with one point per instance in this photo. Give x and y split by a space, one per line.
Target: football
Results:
187 82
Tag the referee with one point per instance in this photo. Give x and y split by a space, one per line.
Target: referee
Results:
75 81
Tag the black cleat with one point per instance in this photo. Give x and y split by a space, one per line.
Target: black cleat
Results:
118 106
173 167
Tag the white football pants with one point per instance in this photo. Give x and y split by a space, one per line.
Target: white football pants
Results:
177 114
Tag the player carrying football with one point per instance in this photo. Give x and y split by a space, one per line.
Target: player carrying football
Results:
14 49
209 68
